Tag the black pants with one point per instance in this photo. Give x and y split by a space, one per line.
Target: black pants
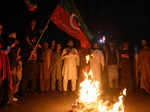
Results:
4 89
31 73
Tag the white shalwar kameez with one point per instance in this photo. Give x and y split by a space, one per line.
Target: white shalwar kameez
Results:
97 64
69 71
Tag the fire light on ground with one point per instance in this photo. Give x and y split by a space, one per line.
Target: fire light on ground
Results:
90 97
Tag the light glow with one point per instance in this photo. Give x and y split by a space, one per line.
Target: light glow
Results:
91 99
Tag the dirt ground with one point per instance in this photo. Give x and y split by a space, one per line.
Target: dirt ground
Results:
58 102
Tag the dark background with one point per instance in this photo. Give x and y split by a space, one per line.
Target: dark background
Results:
125 20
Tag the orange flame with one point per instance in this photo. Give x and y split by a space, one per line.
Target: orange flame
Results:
90 96
87 58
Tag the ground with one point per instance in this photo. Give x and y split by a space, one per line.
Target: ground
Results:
58 102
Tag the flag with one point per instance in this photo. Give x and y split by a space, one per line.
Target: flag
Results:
66 21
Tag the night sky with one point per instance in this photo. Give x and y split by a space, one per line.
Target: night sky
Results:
125 19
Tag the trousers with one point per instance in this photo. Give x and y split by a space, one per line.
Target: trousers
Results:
31 72
73 84
113 75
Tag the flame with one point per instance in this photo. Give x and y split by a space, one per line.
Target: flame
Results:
87 58
124 92
89 91
90 97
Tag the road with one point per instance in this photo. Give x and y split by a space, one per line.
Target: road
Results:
58 102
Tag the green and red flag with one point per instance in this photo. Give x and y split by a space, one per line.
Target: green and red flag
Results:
65 18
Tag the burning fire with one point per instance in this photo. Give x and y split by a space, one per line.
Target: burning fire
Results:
116 107
91 99
87 58
90 93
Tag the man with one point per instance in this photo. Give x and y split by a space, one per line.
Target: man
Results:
97 63
105 76
31 59
52 47
6 84
45 68
112 63
53 43
53 79
13 48
127 78
137 74
144 66
57 69
70 68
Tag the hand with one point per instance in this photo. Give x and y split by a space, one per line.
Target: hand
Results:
19 57
14 44
5 52
39 45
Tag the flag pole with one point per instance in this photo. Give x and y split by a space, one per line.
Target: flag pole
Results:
43 31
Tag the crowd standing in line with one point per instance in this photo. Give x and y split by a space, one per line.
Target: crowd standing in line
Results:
34 67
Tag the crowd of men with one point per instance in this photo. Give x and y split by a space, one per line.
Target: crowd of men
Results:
39 67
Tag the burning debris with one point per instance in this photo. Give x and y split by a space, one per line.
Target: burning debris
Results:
90 97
